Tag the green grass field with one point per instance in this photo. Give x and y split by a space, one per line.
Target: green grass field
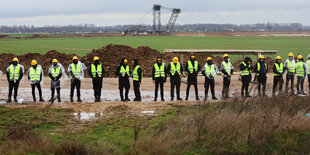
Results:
81 46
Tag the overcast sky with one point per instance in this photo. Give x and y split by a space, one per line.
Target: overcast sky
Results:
119 12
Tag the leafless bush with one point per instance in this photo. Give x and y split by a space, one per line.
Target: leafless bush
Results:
232 126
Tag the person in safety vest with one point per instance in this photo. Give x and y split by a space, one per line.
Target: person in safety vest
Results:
209 70
137 76
123 73
278 72
227 70
76 72
301 72
55 72
192 67
261 70
308 71
290 67
175 70
35 77
246 76
15 73
159 76
96 72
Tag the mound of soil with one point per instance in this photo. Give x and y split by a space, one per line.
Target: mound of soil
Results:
111 56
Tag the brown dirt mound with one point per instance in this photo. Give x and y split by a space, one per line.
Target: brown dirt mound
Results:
111 56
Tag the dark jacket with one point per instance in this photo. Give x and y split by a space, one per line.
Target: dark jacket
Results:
97 77
263 69
275 69
246 61
195 73
136 62
117 73
153 72
175 75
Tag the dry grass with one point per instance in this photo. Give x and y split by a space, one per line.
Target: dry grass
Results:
259 125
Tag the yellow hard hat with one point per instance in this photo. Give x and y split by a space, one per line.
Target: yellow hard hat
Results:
125 60
15 59
261 57
278 58
299 57
175 59
290 54
54 60
33 62
96 58
225 55
75 58
193 56
209 58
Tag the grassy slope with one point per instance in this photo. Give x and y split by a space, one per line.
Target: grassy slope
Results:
259 125
83 45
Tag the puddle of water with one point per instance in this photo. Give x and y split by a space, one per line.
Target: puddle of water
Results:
2 102
151 112
87 116
20 101
307 114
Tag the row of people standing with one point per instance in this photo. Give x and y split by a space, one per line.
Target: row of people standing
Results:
291 68
174 69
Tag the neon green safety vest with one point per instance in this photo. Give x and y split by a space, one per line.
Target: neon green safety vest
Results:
246 71
76 71
292 66
300 71
279 69
308 64
123 72
98 70
14 73
55 71
174 68
227 67
190 66
159 72
135 74
35 73
258 67
210 71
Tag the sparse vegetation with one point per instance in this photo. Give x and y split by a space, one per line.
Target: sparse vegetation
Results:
259 125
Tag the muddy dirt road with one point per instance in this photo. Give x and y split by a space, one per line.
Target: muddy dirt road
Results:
110 94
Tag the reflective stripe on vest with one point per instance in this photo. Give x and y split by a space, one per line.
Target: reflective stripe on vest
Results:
98 70
34 74
135 74
210 71
308 64
290 65
227 67
175 68
246 71
159 72
278 68
300 71
76 71
55 71
123 72
258 67
14 73
190 66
